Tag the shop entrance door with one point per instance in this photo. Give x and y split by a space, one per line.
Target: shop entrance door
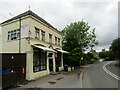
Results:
51 65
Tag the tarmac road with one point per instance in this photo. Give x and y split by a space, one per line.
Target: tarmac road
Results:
98 76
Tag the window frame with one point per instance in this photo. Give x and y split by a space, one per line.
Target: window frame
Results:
40 64
42 35
37 33
50 38
58 41
55 40
13 35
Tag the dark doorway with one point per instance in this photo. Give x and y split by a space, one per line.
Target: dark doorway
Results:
51 65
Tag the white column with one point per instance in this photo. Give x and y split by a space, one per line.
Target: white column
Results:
29 66
54 65
62 61
48 70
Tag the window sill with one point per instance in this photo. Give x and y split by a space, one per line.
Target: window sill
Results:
39 71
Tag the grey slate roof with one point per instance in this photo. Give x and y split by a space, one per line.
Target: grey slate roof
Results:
29 12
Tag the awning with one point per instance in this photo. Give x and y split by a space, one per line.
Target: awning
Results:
44 48
63 51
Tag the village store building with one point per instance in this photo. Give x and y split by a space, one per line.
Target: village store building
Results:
31 46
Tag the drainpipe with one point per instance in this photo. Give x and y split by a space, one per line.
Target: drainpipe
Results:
20 36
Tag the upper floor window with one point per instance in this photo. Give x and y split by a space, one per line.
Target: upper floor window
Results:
59 41
13 35
37 33
55 40
43 35
50 38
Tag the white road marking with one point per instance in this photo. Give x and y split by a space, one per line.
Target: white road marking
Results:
110 73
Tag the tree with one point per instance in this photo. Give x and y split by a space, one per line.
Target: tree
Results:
103 54
88 58
76 39
115 48
92 41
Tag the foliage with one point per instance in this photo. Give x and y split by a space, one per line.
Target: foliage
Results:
104 54
76 38
115 48
88 58
108 55
92 38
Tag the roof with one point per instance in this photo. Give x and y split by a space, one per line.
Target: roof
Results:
29 12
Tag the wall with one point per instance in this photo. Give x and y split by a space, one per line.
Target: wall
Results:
35 23
13 46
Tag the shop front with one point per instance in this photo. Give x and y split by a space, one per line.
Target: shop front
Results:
45 61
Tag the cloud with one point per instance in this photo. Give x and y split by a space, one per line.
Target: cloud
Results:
101 14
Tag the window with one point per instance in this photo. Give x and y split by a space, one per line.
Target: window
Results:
50 38
9 36
13 35
39 60
59 41
37 33
43 61
43 35
58 59
55 40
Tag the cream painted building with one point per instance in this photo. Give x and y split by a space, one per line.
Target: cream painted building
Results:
31 35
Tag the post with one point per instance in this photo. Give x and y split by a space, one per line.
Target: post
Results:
54 64
48 63
62 61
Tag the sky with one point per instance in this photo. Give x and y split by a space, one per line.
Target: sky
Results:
100 14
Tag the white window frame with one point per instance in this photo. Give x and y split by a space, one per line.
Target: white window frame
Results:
50 38
13 35
37 33
42 35
58 41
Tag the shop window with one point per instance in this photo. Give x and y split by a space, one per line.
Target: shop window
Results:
43 61
39 60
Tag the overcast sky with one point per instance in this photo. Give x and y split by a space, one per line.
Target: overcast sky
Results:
100 14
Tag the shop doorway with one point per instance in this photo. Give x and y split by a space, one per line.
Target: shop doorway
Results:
51 65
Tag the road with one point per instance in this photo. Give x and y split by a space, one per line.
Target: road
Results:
95 76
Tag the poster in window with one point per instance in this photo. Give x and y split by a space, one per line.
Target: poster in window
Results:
25 31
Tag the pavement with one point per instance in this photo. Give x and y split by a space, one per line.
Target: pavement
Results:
96 77
60 80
